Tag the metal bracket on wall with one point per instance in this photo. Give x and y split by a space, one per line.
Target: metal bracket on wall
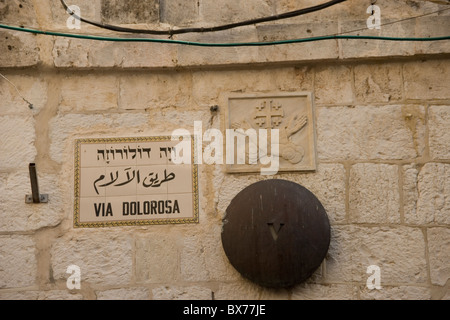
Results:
35 197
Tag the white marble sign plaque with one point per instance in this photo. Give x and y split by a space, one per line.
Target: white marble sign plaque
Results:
291 113
132 181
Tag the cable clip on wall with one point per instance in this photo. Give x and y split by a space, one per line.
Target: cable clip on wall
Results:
35 197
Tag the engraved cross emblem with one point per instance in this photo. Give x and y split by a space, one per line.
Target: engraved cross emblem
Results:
270 116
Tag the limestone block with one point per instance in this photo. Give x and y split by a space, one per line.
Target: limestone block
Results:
18 13
324 292
16 215
433 26
179 12
19 49
426 194
124 294
215 12
155 90
251 81
378 83
87 93
369 132
17 261
182 293
374 195
130 12
429 79
398 251
157 258
319 50
173 118
328 185
104 258
64 128
246 290
18 136
439 255
396 293
188 55
41 295
80 53
366 48
203 258
439 132
333 85
32 89
411 194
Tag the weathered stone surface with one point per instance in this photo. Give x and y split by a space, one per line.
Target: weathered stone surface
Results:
129 12
179 12
369 132
218 12
246 290
18 49
16 215
366 48
18 266
155 90
64 128
374 195
427 194
104 258
439 132
378 83
396 293
78 53
18 13
182 293
432 26
124 294
439 255
87 93
398 251
32 89
328 185
188 55
40 295
324 292
429 79
17 149
251 81
333 85
203 258
319 50
157 258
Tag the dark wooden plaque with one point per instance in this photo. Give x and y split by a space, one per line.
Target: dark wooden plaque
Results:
276 233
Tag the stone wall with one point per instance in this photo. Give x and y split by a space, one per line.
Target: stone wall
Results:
383 146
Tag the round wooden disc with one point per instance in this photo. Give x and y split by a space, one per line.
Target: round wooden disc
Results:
276 233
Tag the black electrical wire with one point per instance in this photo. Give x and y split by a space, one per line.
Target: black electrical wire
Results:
171 32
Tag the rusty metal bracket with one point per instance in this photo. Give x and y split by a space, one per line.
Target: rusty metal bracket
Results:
35 197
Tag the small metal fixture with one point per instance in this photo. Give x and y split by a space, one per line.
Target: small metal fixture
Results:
35 197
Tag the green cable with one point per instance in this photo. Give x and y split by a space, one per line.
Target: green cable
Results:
201 44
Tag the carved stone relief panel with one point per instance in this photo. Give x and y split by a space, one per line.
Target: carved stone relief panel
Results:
292 114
